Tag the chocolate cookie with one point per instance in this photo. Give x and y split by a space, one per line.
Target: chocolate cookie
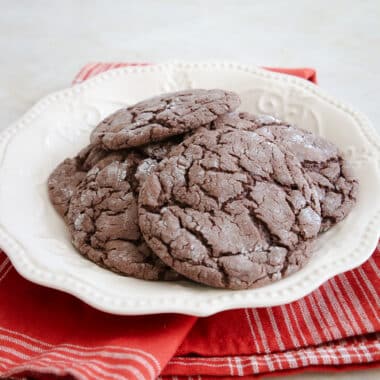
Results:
163 116
161 149
230 209
63 181
102 217
332 176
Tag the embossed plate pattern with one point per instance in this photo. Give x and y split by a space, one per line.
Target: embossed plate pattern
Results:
37 242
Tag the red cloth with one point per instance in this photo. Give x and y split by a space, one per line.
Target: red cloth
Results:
45 333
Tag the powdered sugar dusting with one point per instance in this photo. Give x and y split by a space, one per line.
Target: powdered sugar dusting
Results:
144 169
78 222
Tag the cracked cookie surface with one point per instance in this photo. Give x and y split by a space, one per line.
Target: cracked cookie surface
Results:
163 116
103 221
332 176
65 178
161 149
230 209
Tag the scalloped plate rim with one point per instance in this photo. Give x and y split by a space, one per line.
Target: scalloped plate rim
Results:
138 306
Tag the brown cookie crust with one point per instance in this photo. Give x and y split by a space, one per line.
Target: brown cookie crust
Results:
162 116
333 178
102 218
65 178
230 209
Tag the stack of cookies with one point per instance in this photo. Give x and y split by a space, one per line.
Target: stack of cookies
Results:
183 186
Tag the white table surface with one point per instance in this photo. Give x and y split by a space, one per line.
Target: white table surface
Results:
44 43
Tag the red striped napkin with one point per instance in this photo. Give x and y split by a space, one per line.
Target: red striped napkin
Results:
47 334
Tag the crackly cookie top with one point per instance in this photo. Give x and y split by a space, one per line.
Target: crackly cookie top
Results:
332 176
230 209
163 116
63 181
159 150
103 221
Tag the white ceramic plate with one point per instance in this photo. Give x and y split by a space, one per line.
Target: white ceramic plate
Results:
39 246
